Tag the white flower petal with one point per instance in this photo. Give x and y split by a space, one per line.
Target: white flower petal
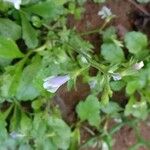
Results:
105 12
92 84
105 146
139 65
116 76
118 120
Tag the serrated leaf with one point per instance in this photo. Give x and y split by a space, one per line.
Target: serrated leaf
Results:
111 108
135 42
26 89
84 47
89 110
112 53
137 109
48 9
25 123
12 78
62 133
15 120
14 73
29 33
134 85
9 49
9 29
117 85
3 131
39 126
109 34
6 81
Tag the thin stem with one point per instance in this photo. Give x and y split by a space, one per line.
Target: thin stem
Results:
92 62
46 26
106 124
96 65
96 30
41 48
89 130
90 32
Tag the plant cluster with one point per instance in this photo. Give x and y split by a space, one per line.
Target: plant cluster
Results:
39 53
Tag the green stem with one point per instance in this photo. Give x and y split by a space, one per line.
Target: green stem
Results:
92 62
90 32
46 26
96 65
96 30
41 48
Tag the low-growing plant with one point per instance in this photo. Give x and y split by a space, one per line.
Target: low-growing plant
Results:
39 53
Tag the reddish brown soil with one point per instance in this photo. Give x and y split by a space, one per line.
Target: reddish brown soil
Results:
90 20
128 17
67 100
126 137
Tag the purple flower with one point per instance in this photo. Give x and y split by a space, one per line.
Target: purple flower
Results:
52 83
15 135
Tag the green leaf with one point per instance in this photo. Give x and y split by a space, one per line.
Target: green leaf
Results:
37 104
135 42
84 47
112 53
48 9
75 139
29 33
15 75
111 108
25 124
107 92
89 110
117 85
26 89
15 120
3 131
109 34
105 96
9 49
134 85
5 61
137 109
12 78
25 147
6 81
39 126
9 29
3 6
62 133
